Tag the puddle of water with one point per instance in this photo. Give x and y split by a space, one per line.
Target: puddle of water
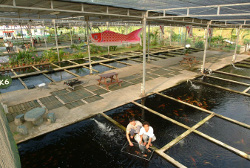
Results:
101 68
175 110
60 75
80 71
16 85
7 72
48 67
217 100
165 131
129 61
90 143
116 64
244 80
24 70
195 151
35 80
63 63
4 59
222 83
227 132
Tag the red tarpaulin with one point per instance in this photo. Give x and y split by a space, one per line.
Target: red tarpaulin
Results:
8 31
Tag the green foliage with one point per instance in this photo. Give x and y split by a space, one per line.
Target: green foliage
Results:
188 41
97 49
52 55
154 37
25 57
199 44
19 34
112 48
246 41
77 55
74 46
217 39
49 39
175 37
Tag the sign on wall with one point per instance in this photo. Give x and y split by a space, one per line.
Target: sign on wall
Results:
5 81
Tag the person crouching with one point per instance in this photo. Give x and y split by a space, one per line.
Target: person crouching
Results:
147 135
133 128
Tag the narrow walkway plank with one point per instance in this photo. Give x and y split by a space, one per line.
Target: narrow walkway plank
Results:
226 73
228 80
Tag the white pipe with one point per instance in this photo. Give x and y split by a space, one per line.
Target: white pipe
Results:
31 39
185 40
148 41
205 50
45 40
71 40
236 44
108 29
90 66
54 21
170 36
144 55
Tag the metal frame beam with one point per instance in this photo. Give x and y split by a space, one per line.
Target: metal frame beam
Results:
217 14
52 9
208 6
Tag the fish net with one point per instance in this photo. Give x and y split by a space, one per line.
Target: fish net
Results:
9 157
137 152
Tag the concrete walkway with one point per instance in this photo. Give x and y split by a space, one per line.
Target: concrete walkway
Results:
112 99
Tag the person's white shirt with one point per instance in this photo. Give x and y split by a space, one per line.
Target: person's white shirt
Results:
6 44
150 132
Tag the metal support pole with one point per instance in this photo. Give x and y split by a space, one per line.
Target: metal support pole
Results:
71 40
236 44
209 44
126 31
87 24
181 36
205 50
31 39
185 40
170 36
144 55
22 32
148 41
107 23
160 39
54 21
45 39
